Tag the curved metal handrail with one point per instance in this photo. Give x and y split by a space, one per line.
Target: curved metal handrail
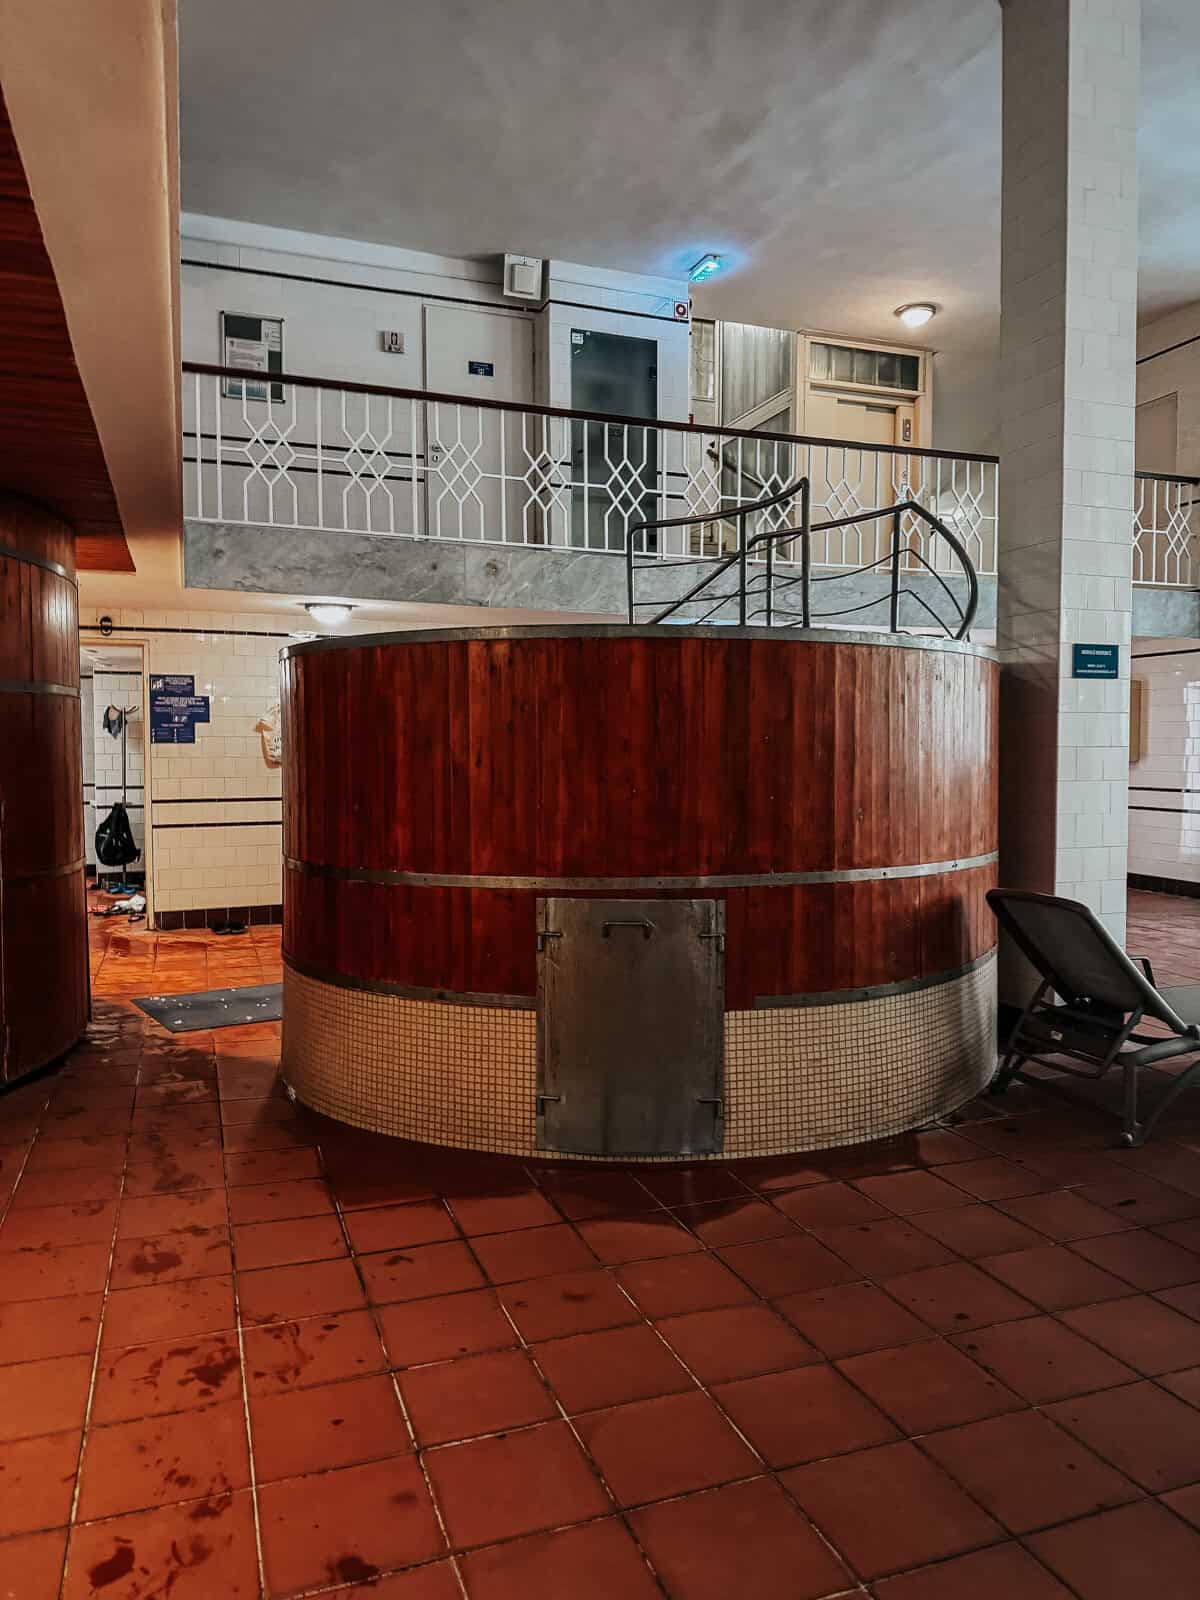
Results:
804 579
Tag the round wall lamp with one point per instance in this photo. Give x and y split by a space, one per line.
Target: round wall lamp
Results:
917 314
330 613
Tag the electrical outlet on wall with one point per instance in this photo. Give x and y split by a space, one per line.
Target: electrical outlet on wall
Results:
392 343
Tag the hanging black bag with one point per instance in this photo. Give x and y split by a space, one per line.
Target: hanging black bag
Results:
115 845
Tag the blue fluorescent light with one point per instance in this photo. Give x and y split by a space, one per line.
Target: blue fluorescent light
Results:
707 267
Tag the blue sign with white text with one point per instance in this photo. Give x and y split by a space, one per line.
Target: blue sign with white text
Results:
175 708
1095 660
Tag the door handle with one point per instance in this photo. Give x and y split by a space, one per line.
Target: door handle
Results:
646 926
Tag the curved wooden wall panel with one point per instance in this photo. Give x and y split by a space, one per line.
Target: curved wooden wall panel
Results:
43 928
547 754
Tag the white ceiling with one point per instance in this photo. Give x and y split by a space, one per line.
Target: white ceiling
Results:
844 154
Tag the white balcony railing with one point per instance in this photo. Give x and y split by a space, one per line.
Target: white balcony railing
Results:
344 458
1166 528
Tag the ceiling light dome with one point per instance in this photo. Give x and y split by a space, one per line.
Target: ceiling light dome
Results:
331 613
917 313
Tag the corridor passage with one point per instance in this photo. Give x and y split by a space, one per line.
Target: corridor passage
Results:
247 1351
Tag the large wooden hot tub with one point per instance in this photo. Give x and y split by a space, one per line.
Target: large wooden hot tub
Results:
644 892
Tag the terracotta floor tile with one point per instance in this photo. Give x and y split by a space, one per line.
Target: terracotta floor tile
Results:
722 1222
682 1186
1144 1333
43 1396
735 1342
273 1202
421 1270
909 1192
956 1297
37 1480
195 1252
1060 1214
500 1487
47 1227
667 1446
928 1385
1151 1436
803 1415
475 1395
994 1178
194 1551
280 1294
1043 1360
153 1461
589 1371
977 1230
148 1216
1054 1277
1141 1200
182 1309
776 1267
595 1561
880 1249
747 1539
1185 1384
615 1240
431 1582
444 1327
1186 1298
1003 1572
1026 1472
200 1169
32 1330
501 1213
851 1318
33 1564
149 1379
568 1302
531 1253
271 1166
828 1205
1143 1259
62 1188
332 1425
1136 1550
677 1284
595 1194
53 1272
889 1508
281 1244
68 1155
291 1355
788 1172
1185 1503
394 1227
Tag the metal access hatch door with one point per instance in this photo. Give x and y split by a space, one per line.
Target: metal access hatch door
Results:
630 1026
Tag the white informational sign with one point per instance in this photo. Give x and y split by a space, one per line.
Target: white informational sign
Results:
253 344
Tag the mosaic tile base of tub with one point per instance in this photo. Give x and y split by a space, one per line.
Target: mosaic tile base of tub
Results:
802 1078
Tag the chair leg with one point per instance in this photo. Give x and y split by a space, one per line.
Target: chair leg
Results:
1006 1072
1182 1082
1132 1132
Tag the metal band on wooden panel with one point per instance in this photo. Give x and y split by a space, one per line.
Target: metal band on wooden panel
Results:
407 991
739 880
874 991
30 686
8 553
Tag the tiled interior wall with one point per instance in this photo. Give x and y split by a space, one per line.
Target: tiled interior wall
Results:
87 741
1169 363
216 837
122 689
1164 787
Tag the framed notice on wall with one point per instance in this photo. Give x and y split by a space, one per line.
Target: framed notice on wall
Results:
254 344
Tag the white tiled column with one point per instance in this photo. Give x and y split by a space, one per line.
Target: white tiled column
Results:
1067 374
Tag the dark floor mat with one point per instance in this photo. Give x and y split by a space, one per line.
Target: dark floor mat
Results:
215 1008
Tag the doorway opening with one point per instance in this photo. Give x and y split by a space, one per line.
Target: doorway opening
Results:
116 797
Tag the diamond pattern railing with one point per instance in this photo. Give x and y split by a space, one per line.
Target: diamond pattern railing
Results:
350 459
1166 531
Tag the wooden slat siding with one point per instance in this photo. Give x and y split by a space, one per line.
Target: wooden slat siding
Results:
49 448
43 941
584 756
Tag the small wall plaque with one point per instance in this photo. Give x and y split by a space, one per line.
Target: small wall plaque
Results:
1095 660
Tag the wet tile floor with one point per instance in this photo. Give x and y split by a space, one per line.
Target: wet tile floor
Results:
245 1351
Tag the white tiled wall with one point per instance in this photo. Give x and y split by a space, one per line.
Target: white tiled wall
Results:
1164 787
122 689
216 809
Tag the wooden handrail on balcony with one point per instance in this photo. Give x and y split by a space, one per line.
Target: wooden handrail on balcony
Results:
662 425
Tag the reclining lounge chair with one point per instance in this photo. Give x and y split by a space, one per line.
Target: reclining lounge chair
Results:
1091 1000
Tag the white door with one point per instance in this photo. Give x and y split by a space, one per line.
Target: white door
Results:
476 457
846 480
